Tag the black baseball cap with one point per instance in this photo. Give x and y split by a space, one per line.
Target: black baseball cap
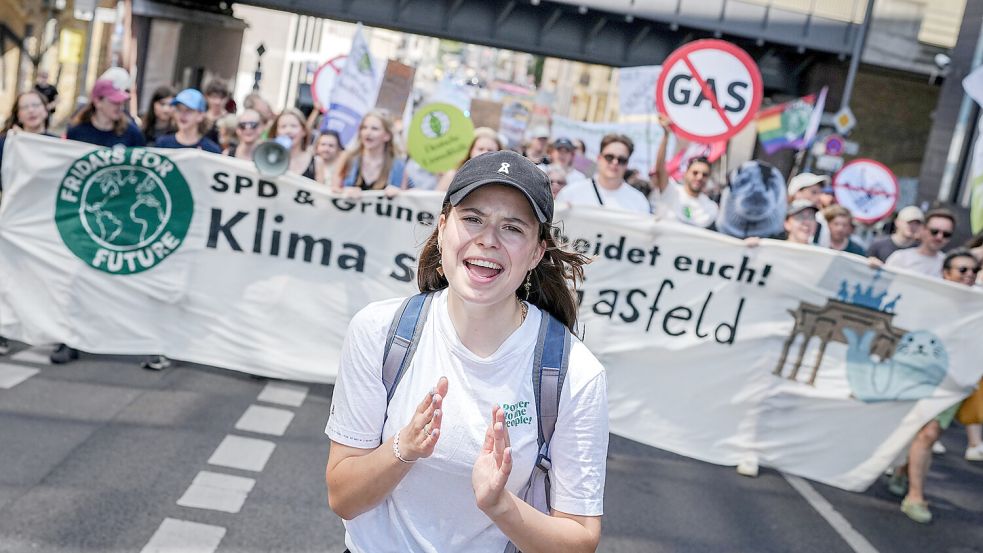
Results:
508 168
561 143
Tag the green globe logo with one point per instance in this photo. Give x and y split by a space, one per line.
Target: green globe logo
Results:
435 124
123 211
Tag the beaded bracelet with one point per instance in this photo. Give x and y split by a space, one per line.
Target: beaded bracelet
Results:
396 450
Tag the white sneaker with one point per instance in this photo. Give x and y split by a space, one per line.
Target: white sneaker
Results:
938 448
748 467
974 453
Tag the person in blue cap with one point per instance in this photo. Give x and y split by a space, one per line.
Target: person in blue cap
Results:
189 116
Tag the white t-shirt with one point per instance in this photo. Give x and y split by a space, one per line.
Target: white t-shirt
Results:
700 211
665 202
626 197
433 508
913 260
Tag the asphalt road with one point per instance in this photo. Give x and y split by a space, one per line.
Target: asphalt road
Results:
102 456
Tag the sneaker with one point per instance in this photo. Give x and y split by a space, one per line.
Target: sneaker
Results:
4 346
63 354
917 512
748 467
938 448
898 484
974 453
156 363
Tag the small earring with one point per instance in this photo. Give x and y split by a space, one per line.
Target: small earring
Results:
528 285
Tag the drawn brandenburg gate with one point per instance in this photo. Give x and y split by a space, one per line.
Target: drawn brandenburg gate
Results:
860 311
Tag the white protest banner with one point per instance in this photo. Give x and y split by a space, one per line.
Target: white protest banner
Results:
867 188
355 89
646 137
976 182
636 89
711 89
804 358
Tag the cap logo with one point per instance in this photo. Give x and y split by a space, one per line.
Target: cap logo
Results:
504 168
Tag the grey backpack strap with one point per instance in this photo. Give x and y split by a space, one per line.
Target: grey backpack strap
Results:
404 334
548 373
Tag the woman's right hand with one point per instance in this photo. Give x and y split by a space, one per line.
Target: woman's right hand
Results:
418 439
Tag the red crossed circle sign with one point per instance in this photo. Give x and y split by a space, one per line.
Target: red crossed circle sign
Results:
867 188
324 79
710 89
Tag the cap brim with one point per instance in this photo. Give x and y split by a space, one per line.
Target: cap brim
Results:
117 96
456 197
187 105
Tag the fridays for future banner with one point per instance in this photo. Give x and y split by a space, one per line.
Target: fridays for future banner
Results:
804 358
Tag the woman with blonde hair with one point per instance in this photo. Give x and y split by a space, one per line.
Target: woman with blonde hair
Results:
249 127
291 123
374 162
485 140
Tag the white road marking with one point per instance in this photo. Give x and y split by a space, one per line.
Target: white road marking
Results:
218 492
37 356
242 453
842 526
12 375
282 393
265 420
182 536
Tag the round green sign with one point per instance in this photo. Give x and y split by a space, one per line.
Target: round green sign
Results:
123 210
439 137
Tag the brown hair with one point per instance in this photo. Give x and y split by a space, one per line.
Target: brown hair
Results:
553 280
217 86
13 119
300 118
482 132
943 213
836 210
611 138
85 116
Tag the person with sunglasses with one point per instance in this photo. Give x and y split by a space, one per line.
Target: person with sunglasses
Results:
927 258
249 129
608 187
962 266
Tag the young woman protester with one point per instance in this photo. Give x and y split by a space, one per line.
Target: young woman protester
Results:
249 127
103 121
291 124
485 140
374 163
159 119
442 464
189 116
29 114
327 151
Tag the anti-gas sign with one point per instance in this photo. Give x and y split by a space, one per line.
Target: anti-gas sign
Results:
711 89
867 188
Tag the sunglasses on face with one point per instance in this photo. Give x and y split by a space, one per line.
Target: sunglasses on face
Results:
964 269
940 232
249 125
611 158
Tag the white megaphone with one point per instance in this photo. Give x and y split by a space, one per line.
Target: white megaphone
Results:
273 156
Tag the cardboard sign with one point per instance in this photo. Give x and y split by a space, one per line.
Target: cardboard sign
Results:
439 138
867 188
397 84
485 113
711 89
324 79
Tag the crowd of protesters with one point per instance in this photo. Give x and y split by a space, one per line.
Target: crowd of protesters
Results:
755 202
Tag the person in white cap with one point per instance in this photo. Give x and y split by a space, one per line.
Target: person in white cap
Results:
536 150
806 186
907 226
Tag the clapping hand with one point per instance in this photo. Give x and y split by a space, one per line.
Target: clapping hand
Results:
491 470
419 438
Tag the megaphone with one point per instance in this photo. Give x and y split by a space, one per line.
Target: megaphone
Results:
272 158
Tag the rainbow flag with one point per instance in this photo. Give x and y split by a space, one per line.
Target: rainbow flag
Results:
792 124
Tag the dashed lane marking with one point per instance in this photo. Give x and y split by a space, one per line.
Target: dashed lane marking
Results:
182 536
840 524
282 393
242 453
265 420
12 375
35 356
217 492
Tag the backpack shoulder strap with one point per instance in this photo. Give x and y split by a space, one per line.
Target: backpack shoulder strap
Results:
404 333
549 372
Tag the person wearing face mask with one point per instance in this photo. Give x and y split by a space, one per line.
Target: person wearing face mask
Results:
485 140
189 116
159 119
375 162
292 125
608 188
452 472
249 127
103 120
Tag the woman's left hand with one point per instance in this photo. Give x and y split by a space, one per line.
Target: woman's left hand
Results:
491 470
391 191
